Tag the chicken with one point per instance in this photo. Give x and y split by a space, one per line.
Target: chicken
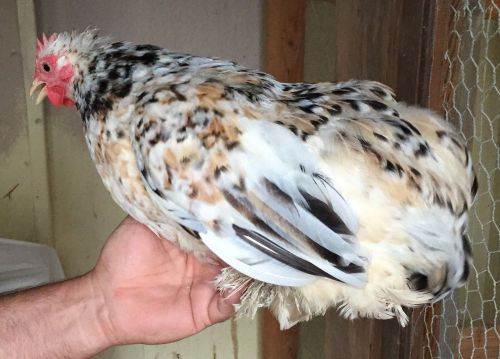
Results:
315 195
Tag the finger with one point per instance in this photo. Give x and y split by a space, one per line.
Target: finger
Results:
212 257
222 306
130 225
129 220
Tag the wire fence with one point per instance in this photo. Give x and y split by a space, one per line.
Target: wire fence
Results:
468 321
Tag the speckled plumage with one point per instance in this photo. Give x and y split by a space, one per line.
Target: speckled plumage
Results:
333 193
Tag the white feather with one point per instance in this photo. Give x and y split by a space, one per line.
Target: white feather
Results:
250 261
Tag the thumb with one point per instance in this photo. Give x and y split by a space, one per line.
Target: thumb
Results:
222 306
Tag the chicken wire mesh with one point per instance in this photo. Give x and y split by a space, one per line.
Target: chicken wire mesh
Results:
466 325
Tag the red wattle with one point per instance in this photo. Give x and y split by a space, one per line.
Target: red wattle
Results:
68 102
55 95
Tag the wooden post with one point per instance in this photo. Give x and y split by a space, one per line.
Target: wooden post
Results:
284 59
284 48
43 231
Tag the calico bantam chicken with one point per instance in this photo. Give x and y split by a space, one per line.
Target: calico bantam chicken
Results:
314 194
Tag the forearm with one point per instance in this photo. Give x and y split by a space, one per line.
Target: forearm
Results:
63 320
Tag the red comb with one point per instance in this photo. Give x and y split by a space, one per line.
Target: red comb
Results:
41 44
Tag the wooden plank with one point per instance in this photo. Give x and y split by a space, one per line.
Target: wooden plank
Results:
16 190
284 48
364 338
492 13
42 209
480 344
420 339
284 59
351 339
414 39
278 344
363 48
382 41
437 71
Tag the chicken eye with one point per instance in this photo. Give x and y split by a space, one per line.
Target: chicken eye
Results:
46 67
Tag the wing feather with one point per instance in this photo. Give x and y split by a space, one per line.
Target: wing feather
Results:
265 209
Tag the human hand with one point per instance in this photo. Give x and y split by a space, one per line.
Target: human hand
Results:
153 292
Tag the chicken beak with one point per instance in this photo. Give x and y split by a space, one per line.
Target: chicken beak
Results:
41 95
35 85
43 92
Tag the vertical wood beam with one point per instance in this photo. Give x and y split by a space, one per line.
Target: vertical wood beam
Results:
284 47
42 211
284 59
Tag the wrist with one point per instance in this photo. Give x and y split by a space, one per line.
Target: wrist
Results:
61 320
86 304
100 312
